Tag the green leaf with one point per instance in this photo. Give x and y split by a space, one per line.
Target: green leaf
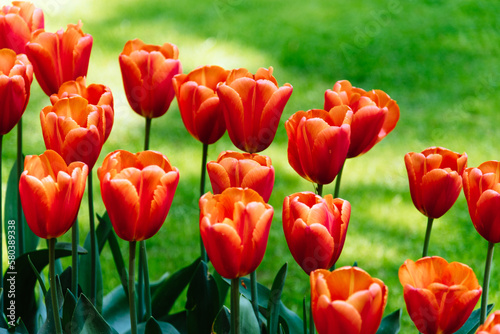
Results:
86 319
115 310
472 323
391 323
202 303
69 306
222 323
178 320
222 286
248 321
159 327
273 304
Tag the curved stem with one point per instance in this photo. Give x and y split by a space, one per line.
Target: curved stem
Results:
427 236
74 258
93 242
147 134
203 251
319 190
486 282
147 292
337 183
20 165
253 292
53 287
131 287
235 306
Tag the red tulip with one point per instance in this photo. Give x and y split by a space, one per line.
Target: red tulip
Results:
435 178
347 300
315 229
491 325
75 129
439 296
318 142
252 106
137 190
199 104
375 114
98 95
147 72
482 191
17 22
51 192
245 170
16 74
59 57
234 226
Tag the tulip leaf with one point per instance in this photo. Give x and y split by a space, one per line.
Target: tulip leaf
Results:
178 320
273 304
222 323
115 309
248 322
152 326
86 319
472 323
391 323
68 307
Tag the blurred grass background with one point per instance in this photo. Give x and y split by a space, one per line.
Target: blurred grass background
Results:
438 59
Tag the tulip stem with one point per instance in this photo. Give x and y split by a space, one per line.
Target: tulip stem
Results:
53 287
235 306
147 133
20 165
253 292
93 246
486 282
337 182
311 320
1 226
319 190
131 287
427 236
74 258
147 292
203 251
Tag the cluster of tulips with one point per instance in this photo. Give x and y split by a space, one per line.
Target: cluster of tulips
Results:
235 218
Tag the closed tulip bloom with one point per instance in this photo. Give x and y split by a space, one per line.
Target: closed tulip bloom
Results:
96 94
244 170
347 300
17 22
75 129
318 142
439 296
482 191
315 229
137 190
252 106
491 325
51 192
234 226
16 74
435 178
199 104
59 57
147 72
375 114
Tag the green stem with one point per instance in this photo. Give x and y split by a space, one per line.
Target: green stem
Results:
311 319
140 285
337 182
147 291
253 292
74 258
147 134
131 287
304 315
486 282
427 236
235 306
1 226
93 243
203 251
53 287
319 189
20 167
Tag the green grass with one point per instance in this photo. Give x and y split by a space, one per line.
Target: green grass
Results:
437 58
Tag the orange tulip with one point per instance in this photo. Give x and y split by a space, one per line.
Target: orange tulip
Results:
234 226
59 57
491 325
375 114
435 178
439 296
318 142
315 229
75 129
51 192
137 190
16 74
98 95
245 170
347 300
199 104
17 22
482 191
147 72
252 106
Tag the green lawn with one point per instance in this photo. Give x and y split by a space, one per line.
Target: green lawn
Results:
438 59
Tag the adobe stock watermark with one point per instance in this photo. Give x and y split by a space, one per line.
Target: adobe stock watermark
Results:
10 289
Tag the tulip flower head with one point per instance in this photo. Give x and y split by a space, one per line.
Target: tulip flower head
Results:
51 192
318 142
315 229
17 22
199 104
375 114
147 72
16 74
439 296
59 57
347 300
245 170
234 227
482 191
137 190
491 325
435 178
252 106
